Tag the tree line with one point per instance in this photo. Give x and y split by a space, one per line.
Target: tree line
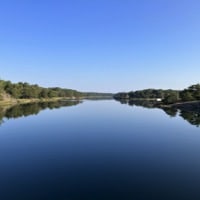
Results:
192 93
27 91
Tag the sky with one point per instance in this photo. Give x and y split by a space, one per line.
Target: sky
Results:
101 45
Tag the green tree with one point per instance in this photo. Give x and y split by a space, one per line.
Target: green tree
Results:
52 94
44 93
171 98
186 95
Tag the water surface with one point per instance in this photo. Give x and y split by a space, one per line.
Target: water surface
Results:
98 150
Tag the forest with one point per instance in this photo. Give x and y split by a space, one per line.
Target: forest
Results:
27 91
9 90
192 93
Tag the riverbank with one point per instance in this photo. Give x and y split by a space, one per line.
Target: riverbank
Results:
12 102
159 104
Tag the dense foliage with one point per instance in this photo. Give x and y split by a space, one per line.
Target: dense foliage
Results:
192 93
148 94
26 91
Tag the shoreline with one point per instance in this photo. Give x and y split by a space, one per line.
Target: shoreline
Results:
162 105
12 102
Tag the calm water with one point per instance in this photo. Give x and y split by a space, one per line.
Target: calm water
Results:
98 150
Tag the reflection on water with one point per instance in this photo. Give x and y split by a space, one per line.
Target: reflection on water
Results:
190 113
23 110
99 150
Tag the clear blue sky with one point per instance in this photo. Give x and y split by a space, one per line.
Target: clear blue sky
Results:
101 45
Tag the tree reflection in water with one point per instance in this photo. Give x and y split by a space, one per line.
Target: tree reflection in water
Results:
189 112
23 110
